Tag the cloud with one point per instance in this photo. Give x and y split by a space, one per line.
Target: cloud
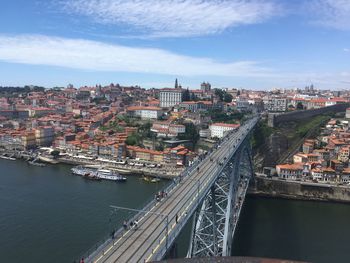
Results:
174 18
346 50
331 13
98 56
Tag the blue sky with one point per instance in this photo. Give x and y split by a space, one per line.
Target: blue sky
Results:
258 44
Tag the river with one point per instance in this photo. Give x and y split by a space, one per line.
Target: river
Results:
47 214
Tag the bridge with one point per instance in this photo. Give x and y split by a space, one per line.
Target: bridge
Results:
211 191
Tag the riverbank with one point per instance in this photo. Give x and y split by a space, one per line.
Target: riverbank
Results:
126 169
298 190
164 172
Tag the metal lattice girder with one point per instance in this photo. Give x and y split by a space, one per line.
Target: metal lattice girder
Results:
216 219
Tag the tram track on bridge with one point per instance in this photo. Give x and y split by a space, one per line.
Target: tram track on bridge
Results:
163 208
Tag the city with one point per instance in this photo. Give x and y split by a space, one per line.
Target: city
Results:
174 131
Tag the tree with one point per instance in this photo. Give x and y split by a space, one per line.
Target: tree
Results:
145 130
220 94
186 96
191 133
300 106
227 97
133 139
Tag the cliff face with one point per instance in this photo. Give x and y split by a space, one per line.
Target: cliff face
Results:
277 144
298 190
268 154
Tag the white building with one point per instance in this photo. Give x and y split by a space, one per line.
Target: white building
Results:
347 114
145 112
220 129
276 104
242 103
290 171
169 97
167 130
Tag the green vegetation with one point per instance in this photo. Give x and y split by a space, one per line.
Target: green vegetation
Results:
260 133
223 95
220 116
134 139
186 96
128 120
300 106
304 127
113 126
191 133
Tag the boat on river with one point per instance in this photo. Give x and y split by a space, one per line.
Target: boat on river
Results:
7 158
151 180
47 159
106 174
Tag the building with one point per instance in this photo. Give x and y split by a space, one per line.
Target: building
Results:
242 103
40 111
219 130
44 136
347 114
290 171
169 97
204 133
167 130
276 104
205 86
145 112
343 154
28 140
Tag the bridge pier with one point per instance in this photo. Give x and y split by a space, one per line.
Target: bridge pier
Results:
216 217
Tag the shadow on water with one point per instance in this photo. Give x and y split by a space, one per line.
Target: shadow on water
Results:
288 229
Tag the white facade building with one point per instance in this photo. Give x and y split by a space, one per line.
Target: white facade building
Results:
276 104
167 130
145 112
347 114
220 129
170 97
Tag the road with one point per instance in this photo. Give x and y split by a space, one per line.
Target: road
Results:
159 226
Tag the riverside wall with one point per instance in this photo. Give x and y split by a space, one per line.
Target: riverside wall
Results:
275 118
271 187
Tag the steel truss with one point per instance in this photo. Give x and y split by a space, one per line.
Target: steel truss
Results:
215 220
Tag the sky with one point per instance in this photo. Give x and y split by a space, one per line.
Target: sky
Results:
253 44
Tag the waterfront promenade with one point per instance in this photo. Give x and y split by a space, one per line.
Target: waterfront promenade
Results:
166 171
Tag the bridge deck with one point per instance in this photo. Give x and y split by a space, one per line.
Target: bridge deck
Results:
158 227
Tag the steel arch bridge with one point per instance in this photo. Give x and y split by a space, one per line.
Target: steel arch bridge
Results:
216 219
211 192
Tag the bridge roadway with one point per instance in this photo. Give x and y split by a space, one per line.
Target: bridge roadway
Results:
158 227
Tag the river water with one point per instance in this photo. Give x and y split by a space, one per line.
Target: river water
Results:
49 215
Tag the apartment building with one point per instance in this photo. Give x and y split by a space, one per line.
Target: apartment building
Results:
169 97
219 130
